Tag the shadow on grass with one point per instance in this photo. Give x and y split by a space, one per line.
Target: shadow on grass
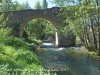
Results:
26 43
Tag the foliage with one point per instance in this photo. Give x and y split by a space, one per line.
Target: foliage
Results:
37 5
4 36
37 31
64 3
44 4
40 28
84 21
16 57
19 61
93 53
26 5
59 2
4 31
6 5
49 29
9 5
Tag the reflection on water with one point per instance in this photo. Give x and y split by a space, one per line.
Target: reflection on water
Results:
74 62
82 64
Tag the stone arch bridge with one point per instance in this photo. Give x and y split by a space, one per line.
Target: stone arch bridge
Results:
20 18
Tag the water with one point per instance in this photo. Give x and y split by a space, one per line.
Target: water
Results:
69 61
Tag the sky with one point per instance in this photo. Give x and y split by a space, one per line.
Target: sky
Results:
33 2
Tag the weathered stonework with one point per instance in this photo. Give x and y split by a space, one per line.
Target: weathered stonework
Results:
22 17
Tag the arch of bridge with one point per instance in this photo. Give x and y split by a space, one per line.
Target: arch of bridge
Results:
22 17
34 17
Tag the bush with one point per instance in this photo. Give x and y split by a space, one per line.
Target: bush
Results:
20 62
4 35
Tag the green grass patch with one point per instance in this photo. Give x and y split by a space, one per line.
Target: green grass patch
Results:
93 53
17 57
20 58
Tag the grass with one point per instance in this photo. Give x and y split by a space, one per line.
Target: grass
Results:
93 53
21 58
18 57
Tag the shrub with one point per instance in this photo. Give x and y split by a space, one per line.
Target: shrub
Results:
4 35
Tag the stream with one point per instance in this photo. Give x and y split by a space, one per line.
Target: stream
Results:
68 61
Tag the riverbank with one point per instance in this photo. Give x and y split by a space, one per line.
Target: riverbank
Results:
18 58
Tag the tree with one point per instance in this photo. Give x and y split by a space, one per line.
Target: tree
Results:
98 27
4 31
44 4
49 29
6 5
15 5
27 5
64 3
84 21
37 5
34 29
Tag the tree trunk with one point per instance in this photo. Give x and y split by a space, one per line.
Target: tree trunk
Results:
98 27
94 41
87 39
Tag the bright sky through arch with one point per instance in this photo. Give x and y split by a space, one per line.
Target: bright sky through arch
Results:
33 2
